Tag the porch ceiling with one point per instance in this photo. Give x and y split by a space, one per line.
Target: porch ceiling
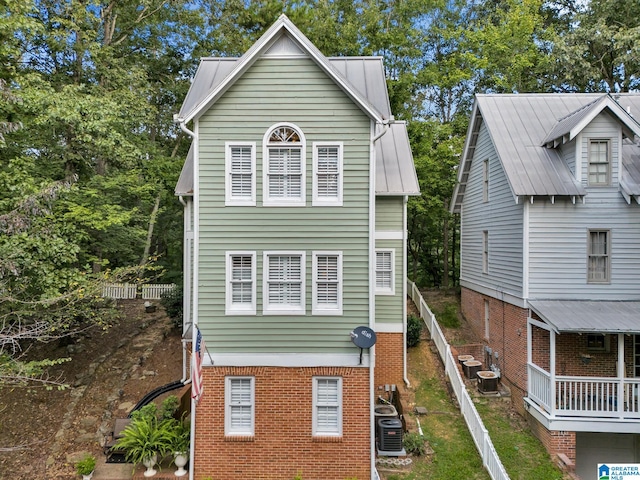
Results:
583 316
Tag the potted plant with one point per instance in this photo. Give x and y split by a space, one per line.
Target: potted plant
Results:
179 439
86 466
145 439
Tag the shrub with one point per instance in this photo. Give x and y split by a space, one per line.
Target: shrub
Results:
86 465
413 443
414 330
173 306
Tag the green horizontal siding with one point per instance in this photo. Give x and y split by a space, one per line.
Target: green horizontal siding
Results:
389 213
389 307
293 91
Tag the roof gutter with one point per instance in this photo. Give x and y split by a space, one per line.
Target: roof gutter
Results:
180 121
385 125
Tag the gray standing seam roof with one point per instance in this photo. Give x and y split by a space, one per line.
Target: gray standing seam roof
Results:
185 181
521 126
395 171
365 74
585 316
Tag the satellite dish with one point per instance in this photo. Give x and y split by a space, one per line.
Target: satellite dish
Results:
363 337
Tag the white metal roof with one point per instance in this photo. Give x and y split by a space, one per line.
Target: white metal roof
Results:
525 128
204 91
362 79
585 316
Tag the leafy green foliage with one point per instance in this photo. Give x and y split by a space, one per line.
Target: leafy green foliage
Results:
414 330
172 302
154 431
86 465
413 443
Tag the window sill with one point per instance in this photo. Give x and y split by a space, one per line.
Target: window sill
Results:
326 439
239 438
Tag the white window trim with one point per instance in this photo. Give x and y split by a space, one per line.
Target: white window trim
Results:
327 201
228 431
267 201
231 309
323 309
315 432
385 291
590 143
485 180
230 200
268 309
485 251
606 281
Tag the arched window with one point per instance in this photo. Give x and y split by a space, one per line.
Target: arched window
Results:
284 166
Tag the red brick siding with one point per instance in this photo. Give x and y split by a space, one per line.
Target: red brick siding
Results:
283 445
507 333
389 359
554 441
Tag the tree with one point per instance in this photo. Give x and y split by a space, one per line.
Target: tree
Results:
601 50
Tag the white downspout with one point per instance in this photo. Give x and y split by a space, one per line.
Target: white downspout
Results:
372 291
404 289
186 275
372 298
194 320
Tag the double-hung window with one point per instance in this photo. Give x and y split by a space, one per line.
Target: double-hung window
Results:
485 251
327 283
385 277
241 283
599 253
327 173
485 180
327 406
284 166
240 173
283 278
599 163
239 405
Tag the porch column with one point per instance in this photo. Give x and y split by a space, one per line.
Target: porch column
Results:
621 375
529 353
552 370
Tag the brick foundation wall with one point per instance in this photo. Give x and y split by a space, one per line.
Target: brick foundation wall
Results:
556 442
508 336
283 446
507 333
389 360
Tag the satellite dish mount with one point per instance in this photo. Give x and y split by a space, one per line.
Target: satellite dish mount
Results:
363 337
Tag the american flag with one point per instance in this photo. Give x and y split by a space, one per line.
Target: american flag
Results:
196 372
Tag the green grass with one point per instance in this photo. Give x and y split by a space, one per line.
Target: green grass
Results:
522 455
455 455
447 315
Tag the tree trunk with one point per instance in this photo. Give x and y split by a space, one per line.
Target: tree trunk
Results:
445 246
152 223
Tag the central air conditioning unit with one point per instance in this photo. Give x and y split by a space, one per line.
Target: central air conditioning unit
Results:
390 435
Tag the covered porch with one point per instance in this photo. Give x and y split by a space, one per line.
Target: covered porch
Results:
583 365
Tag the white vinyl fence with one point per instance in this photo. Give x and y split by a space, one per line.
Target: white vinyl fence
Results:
125 291
490 458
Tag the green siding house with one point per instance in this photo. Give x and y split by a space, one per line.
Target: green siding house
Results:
295 192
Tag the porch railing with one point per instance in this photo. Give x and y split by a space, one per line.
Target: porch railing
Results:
601 397
540 387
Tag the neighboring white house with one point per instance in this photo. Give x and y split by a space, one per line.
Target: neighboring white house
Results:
548 191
